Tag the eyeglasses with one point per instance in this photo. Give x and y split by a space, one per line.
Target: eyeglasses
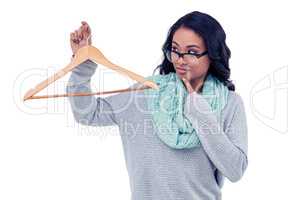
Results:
173 56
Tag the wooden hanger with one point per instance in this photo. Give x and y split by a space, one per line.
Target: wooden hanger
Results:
83 54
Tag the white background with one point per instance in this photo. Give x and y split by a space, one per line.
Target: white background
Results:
44 154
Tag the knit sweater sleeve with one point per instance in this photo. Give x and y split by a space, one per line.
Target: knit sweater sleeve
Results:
89 110
226 149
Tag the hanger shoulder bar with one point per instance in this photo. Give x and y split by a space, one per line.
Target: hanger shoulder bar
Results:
87 94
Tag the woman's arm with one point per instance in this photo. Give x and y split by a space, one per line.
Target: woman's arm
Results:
89 110
227 150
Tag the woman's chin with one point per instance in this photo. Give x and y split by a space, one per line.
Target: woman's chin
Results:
182 75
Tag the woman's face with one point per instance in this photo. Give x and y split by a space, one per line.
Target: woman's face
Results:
186 40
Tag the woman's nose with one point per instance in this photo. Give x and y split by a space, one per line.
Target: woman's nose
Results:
181 61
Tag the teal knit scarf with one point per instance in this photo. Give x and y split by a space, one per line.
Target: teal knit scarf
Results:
167 108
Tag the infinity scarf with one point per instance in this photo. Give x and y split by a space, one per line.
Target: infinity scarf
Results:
166 106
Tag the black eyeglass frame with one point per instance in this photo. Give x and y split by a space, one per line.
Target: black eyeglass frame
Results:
168 54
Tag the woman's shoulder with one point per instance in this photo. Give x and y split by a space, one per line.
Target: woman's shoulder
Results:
234 101
235 97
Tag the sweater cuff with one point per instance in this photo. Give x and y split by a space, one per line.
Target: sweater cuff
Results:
82 73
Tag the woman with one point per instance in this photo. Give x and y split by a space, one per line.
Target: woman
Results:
192 132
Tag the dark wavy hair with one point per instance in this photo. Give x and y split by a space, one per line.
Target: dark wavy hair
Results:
214 37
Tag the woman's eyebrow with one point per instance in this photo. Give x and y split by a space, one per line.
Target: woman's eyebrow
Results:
192 45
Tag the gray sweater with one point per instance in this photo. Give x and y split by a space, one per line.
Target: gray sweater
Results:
156 171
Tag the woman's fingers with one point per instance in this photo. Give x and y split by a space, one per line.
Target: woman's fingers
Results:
187 85
188 75
82 34
80 37
83 22
76 36
86 31
73 37
85 26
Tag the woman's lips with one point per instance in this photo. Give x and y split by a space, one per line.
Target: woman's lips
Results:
181 70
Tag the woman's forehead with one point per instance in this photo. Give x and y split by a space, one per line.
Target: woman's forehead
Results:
184 37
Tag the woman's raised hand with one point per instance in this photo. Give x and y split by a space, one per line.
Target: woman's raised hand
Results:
80 37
